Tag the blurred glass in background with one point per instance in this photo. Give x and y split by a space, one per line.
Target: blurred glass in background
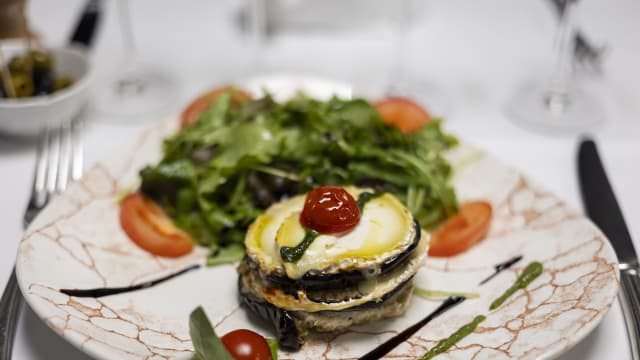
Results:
326 35
557 103
137 88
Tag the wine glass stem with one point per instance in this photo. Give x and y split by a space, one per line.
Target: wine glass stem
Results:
399 50
558 99
127 31
257 32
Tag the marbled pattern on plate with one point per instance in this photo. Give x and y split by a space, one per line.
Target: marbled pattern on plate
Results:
77 242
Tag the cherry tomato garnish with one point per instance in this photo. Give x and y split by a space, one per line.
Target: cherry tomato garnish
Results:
245 344
459 232
202 103
150 228
330 210
402 113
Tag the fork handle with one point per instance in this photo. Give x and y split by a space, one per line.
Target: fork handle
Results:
9 312
630 301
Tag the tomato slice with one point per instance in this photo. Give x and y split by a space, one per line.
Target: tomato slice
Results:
403 113
245 344
202 103
150 228
459 232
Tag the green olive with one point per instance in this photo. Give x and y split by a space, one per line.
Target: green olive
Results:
22 85
41 60
61 83
18 65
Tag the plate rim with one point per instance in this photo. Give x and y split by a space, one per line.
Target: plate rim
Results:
552 352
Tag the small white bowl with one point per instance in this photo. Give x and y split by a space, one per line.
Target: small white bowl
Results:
26 116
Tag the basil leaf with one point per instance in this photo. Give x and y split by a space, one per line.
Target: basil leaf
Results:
273 346
207 344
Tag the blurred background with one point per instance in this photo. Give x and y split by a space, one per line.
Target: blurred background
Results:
477 53
467 61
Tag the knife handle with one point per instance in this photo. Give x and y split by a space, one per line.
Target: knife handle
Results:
630 301
86 27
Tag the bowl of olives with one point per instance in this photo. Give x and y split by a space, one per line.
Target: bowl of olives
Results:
47 86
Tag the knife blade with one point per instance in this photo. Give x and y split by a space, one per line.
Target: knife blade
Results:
601 204
602 207
87 24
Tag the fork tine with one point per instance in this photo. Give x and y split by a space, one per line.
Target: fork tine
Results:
76 150
65 157
54 159
38 194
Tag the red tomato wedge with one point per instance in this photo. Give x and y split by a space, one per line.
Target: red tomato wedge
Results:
461 231
202 103
245 344
150 228
403 113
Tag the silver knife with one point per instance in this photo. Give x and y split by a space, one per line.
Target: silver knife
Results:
602 207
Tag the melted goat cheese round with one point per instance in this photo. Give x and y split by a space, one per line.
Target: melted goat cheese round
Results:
385 229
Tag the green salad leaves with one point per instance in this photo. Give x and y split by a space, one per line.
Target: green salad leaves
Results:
216 176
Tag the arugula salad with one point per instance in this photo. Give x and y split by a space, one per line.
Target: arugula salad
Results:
220 172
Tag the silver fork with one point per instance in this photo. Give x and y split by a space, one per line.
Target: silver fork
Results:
58 162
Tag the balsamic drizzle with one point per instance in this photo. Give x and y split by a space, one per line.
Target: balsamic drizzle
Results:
100 292
450 302
501 267
388 345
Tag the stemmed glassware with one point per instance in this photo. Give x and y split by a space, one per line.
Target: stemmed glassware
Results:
138 89
559 105
257 32
403 83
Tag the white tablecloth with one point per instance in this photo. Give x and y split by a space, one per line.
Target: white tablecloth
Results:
477 51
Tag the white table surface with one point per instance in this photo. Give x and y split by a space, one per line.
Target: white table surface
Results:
478 51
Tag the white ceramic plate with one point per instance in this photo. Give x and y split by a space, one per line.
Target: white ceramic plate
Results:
77 242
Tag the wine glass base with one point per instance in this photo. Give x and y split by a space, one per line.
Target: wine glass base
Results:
429 95
138 92
533 108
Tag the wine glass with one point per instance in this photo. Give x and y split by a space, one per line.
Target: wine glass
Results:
402 83
559 105
138 89
257 33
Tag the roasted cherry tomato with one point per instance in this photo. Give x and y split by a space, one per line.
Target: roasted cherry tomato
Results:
330 210
202 103
402 113
245 344
459 232
150 228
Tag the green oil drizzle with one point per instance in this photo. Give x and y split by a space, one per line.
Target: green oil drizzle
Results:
530 273
294 253
439 295
444 344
